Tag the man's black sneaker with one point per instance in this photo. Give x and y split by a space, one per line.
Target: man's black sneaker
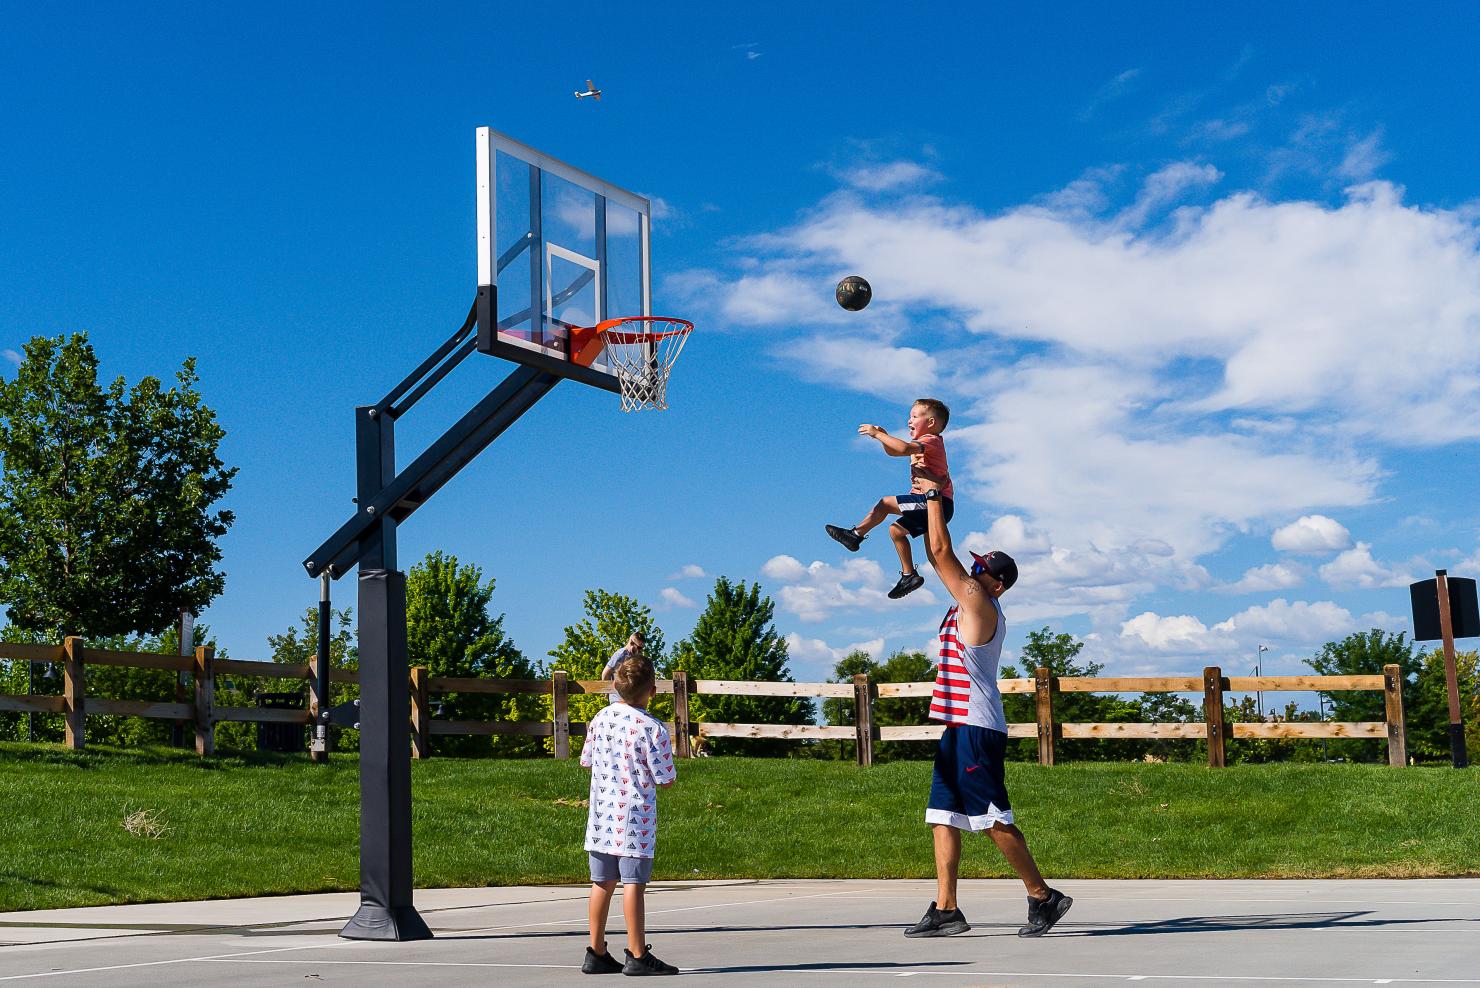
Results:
646 966
939 923
1044 913
908 583
603 963
849 539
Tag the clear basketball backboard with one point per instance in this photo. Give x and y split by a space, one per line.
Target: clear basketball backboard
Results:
558 249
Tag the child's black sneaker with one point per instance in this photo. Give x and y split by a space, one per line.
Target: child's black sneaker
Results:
1044 913
603 963
848 538
646 966
908 584
939 923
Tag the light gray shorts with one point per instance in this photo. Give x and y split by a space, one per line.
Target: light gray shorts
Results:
611 868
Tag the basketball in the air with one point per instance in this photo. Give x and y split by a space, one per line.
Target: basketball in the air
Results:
854 293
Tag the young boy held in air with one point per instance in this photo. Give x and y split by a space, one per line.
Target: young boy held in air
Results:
927 453
630 756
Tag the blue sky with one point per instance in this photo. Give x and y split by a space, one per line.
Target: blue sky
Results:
1200 284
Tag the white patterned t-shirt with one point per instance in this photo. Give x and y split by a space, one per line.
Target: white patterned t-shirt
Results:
629 754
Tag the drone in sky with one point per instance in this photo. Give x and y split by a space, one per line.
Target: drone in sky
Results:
591 91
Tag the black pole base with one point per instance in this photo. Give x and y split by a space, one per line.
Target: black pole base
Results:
1457 753
374 922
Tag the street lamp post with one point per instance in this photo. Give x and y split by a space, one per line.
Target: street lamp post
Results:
1259 671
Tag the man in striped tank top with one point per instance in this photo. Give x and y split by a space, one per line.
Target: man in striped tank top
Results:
969 791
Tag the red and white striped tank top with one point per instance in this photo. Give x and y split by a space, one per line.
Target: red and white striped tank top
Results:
966 679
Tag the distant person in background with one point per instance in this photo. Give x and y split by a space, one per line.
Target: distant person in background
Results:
634 649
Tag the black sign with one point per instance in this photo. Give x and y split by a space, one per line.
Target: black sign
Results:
1464 609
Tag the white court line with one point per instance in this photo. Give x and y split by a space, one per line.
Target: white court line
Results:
1089 896
177 960
583 920
867 969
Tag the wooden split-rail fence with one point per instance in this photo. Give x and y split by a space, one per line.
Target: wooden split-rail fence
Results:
201 710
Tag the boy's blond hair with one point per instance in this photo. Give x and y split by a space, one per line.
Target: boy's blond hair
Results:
937 409
634 680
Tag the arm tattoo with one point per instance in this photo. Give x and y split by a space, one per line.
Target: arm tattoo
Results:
971 587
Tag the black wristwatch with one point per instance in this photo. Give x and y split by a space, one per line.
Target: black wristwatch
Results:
932 495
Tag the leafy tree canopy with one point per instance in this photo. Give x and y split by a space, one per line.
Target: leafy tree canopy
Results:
107 495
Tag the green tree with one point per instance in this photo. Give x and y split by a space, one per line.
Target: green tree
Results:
1363 653
902 666
735 639
1426 706
300 643
107 524
452 631
583 652
1059 653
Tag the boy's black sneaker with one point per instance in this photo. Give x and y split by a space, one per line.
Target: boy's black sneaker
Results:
646 966
849 539
908 584
939 923
600 963
1044 913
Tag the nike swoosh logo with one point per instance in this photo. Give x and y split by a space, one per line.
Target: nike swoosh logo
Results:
972 768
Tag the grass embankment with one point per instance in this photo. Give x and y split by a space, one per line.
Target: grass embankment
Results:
256 825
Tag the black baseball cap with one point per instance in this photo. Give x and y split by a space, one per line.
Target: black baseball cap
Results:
999 564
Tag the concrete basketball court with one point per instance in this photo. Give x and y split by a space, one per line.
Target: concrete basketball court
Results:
818 933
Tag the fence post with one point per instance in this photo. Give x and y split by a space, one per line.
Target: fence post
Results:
560 694
1213 716
681 748
1392 689
863 718
421 728
74 692
205 700
1043 687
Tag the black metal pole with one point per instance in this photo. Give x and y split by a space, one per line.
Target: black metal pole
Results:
1458 756
386 911
319 745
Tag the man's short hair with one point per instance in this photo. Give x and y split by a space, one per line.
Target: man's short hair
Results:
633 679
936 408
641 638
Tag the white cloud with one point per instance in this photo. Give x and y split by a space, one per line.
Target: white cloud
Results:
876 368
888 176
1363 158
814 592
12 356
689 571
1356 569
671 597
1280 620
1173 633
1272 576
1312 535
815 651
1164 187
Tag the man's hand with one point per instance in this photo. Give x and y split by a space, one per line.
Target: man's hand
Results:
872 431
921 483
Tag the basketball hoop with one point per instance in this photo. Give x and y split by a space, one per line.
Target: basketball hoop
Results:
640 351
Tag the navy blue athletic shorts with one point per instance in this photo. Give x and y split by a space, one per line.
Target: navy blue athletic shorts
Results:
968 791
912 512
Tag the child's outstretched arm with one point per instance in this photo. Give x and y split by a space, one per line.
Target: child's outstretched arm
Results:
892 445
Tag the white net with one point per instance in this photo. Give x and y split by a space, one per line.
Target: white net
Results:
641 351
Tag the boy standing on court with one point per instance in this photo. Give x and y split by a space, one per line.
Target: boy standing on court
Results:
927 452
969 790
630 757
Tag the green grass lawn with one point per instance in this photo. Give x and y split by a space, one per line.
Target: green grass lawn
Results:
257 825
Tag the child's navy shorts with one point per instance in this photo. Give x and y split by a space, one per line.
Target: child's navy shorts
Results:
912 512
969 791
